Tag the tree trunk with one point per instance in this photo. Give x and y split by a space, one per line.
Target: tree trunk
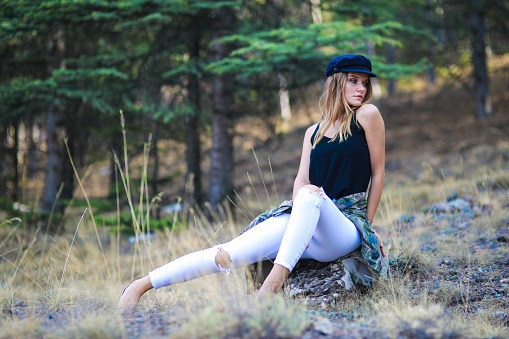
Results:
52 178
481 78
193 175
284 94
51 204
316 11
390 53
222 164
31 158
73 132
377 89
15 162
3 161
432 24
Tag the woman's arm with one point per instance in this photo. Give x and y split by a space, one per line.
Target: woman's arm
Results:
302 177
371 121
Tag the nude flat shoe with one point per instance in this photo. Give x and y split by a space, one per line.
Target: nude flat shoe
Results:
126 309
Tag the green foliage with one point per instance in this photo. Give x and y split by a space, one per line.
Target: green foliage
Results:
295 50
126 223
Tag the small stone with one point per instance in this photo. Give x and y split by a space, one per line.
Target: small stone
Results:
405 219
503 238
294 292
452 197
480 279
324 326
501 316
461 206
447 231
468 198
441 207
487 208
503 261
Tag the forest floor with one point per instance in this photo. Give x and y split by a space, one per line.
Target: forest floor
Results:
444 215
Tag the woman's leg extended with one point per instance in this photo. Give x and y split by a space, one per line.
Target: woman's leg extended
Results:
257 243
260 242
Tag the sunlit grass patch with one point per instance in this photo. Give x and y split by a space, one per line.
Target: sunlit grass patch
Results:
19 328
94 326
248 318
423 321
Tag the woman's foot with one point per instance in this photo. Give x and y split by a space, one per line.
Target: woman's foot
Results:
132 293
274 281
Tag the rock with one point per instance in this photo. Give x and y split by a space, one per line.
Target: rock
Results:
324 326
468 198
141 237
503 261
310 278
501 316
487 208
440 207
405 219
452 197
447 231
316 279
503 238
480 278
461 206
445 262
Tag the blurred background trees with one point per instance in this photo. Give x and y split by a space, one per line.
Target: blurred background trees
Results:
187 70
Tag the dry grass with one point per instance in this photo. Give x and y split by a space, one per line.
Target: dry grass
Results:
62 286
68 286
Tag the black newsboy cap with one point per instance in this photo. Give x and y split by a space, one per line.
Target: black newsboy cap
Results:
349 63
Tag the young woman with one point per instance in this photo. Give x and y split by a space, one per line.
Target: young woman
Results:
330 217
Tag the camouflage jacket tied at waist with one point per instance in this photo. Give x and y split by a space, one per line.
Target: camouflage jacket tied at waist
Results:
366 264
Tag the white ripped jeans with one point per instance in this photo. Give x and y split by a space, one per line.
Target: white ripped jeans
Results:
316 229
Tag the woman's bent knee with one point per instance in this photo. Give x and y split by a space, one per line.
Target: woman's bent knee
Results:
311 188
223 259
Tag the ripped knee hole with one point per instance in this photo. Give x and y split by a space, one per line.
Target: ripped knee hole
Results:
223 259
314 190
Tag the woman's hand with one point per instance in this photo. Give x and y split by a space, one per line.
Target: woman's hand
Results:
381 244
302 177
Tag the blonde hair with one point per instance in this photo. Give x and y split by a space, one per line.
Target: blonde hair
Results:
337 108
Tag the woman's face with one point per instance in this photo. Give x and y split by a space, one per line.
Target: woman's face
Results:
355 88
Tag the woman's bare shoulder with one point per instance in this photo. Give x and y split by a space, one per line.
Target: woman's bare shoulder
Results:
367 111
309 132
311 129
370 118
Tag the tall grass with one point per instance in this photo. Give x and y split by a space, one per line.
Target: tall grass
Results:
72 288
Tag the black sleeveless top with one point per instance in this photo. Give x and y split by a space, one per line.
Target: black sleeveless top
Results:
341 168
